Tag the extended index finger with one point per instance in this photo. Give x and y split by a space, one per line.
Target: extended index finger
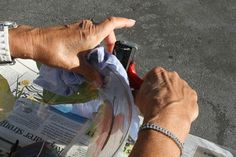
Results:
106 28
112 23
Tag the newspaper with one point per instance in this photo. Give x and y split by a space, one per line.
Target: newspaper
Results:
20 78
199 147
32 121
23 69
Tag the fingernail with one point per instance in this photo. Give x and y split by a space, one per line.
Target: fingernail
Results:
132 20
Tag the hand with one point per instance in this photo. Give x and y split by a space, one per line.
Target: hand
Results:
166 99
66 46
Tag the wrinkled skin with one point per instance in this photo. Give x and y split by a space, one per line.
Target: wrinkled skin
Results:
165 93
66 46
166 100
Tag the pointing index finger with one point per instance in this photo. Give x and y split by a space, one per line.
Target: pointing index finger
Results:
118 22
106 27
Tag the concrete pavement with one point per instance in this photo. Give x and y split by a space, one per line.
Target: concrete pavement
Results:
196 38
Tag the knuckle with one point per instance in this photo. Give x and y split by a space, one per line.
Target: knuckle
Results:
81 23
195 96
185 83
111 19
175 74
194 92
158 69
89 21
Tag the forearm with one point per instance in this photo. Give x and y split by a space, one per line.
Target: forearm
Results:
21 42
155 144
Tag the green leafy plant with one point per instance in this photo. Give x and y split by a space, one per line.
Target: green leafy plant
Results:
25 89
84 94
7 99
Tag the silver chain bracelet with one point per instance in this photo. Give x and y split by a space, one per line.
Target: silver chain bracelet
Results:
164 131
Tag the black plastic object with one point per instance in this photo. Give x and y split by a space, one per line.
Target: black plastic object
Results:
125 52
41 149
